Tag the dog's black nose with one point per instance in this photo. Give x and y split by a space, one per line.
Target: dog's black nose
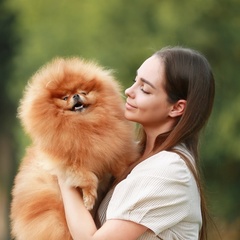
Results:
76 97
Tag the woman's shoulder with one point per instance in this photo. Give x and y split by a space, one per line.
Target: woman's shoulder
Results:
159 186
163 164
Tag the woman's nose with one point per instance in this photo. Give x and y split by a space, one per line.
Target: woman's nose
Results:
127 92
130 91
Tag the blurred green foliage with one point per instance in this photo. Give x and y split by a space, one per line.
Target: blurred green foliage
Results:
121 35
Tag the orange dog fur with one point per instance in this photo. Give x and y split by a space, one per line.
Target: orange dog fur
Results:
74 113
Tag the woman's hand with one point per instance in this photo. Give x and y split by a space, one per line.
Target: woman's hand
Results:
82 226
79 219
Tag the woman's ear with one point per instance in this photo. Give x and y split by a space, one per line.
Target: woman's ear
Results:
178 108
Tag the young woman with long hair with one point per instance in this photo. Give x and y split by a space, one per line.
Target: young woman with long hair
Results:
161 195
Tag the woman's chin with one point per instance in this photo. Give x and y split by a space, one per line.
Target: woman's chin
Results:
129 116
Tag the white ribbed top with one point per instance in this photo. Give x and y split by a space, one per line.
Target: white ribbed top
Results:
161 194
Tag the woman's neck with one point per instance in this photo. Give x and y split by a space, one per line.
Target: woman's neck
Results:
151 137
150 142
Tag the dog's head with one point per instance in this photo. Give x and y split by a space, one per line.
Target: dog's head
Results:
75 85
76 94
67 93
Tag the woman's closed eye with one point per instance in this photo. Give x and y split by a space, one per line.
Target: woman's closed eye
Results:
144 91
142 87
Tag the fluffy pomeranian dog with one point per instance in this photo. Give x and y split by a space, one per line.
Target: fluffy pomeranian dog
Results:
73 111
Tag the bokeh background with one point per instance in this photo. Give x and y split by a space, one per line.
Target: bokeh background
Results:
121 34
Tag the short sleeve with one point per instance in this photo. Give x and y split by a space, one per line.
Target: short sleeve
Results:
155 194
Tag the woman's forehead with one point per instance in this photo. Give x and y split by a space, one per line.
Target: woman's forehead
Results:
152 70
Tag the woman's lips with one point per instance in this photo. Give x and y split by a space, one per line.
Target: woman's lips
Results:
129 106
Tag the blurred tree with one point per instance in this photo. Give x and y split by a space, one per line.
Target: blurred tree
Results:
8 45
120 35
222 141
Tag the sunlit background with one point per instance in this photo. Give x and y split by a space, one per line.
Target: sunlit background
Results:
121 35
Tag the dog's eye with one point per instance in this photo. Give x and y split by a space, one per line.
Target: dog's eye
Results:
83 93
65 98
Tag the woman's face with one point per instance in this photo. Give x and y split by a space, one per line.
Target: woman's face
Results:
147 102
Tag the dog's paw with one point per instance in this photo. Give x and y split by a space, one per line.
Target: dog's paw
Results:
88 182
89 198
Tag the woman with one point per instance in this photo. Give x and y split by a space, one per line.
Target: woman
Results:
160 196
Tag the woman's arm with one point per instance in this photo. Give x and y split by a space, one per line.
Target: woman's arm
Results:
82 226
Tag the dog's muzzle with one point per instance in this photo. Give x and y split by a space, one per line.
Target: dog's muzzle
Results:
78 103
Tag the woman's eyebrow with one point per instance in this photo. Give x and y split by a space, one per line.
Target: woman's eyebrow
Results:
147 82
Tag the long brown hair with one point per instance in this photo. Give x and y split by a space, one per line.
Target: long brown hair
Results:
188 76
